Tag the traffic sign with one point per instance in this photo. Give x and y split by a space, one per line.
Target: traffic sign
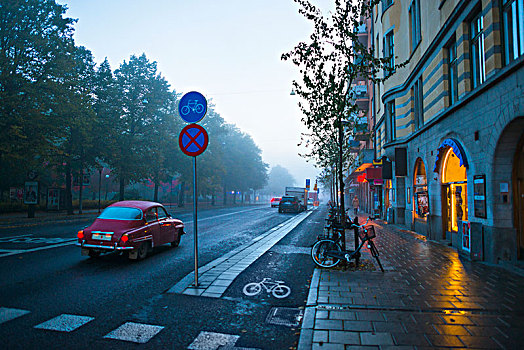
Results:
193 140
192 107
308 182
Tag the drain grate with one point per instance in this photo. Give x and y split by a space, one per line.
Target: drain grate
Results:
285 316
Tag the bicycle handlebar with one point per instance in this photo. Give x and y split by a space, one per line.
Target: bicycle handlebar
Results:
353 225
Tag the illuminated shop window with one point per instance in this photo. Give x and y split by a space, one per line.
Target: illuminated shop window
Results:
420 191
454 180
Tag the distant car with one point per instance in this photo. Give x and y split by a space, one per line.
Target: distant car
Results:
135 227
310 201
275 201
290 204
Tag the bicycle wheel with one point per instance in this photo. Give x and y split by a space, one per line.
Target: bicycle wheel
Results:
374 253
281 291
199 108
319 250
252 288
184 110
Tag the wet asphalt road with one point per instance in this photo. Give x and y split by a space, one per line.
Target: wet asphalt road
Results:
112 290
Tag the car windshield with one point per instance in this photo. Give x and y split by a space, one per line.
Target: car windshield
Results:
121 213
288 199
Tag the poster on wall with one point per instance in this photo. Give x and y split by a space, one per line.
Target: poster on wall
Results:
465 236
422 203
31 192
479 195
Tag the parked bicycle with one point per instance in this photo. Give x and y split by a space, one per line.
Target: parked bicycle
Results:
277 288
328 252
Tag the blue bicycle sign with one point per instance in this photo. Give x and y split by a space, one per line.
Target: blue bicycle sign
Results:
192 107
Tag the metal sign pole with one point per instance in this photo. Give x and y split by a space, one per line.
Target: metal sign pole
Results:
195 230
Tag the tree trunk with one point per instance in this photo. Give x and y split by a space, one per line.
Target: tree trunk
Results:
155 198
81 183
122 187
68 194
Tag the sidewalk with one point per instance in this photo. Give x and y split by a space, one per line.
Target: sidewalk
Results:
428 297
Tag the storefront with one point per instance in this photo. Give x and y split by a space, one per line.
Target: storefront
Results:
453 172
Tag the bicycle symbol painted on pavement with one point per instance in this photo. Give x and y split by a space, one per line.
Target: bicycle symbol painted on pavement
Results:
277 288
192 106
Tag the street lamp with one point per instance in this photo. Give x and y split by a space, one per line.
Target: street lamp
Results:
107 184
99 186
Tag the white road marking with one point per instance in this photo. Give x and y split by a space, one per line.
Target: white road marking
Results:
29 234
134 332
16 252
65 323
36 240
8 314
213 341
222 215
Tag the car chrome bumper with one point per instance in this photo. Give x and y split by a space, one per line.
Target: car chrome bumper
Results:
105 247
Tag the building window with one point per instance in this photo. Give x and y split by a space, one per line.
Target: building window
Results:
389 52
418 99
391 123
478 60
513 17
452 72
414 24
386 4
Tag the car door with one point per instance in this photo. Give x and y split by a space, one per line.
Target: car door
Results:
152 227
166 227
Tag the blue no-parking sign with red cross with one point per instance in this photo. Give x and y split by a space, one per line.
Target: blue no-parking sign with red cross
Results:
193 140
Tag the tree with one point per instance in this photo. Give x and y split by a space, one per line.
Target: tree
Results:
278 178
36 46
329 65
145 97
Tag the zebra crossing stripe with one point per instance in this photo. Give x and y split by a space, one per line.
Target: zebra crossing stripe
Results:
134 332
8 314
65 323
213 341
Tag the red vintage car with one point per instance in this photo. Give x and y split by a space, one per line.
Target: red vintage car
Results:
135 227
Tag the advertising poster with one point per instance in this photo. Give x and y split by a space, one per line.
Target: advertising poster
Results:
422 203
31 192
479 193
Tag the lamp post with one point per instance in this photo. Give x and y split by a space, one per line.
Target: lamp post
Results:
99 186
107 184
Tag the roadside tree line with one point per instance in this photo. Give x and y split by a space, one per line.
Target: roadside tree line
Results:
61 114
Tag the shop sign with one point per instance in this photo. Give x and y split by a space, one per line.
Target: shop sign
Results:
479 195
378 182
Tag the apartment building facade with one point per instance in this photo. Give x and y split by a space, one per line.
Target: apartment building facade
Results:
452 121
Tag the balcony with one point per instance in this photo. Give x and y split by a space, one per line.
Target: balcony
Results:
361 29
361 132
354 146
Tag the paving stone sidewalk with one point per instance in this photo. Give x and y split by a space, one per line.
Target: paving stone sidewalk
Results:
429 297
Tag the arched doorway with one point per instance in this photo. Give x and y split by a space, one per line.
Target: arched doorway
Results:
454 190
518 190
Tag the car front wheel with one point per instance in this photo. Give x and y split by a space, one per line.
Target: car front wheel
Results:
176 242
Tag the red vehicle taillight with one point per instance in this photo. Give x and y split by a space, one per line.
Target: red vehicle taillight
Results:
80 234
124 238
